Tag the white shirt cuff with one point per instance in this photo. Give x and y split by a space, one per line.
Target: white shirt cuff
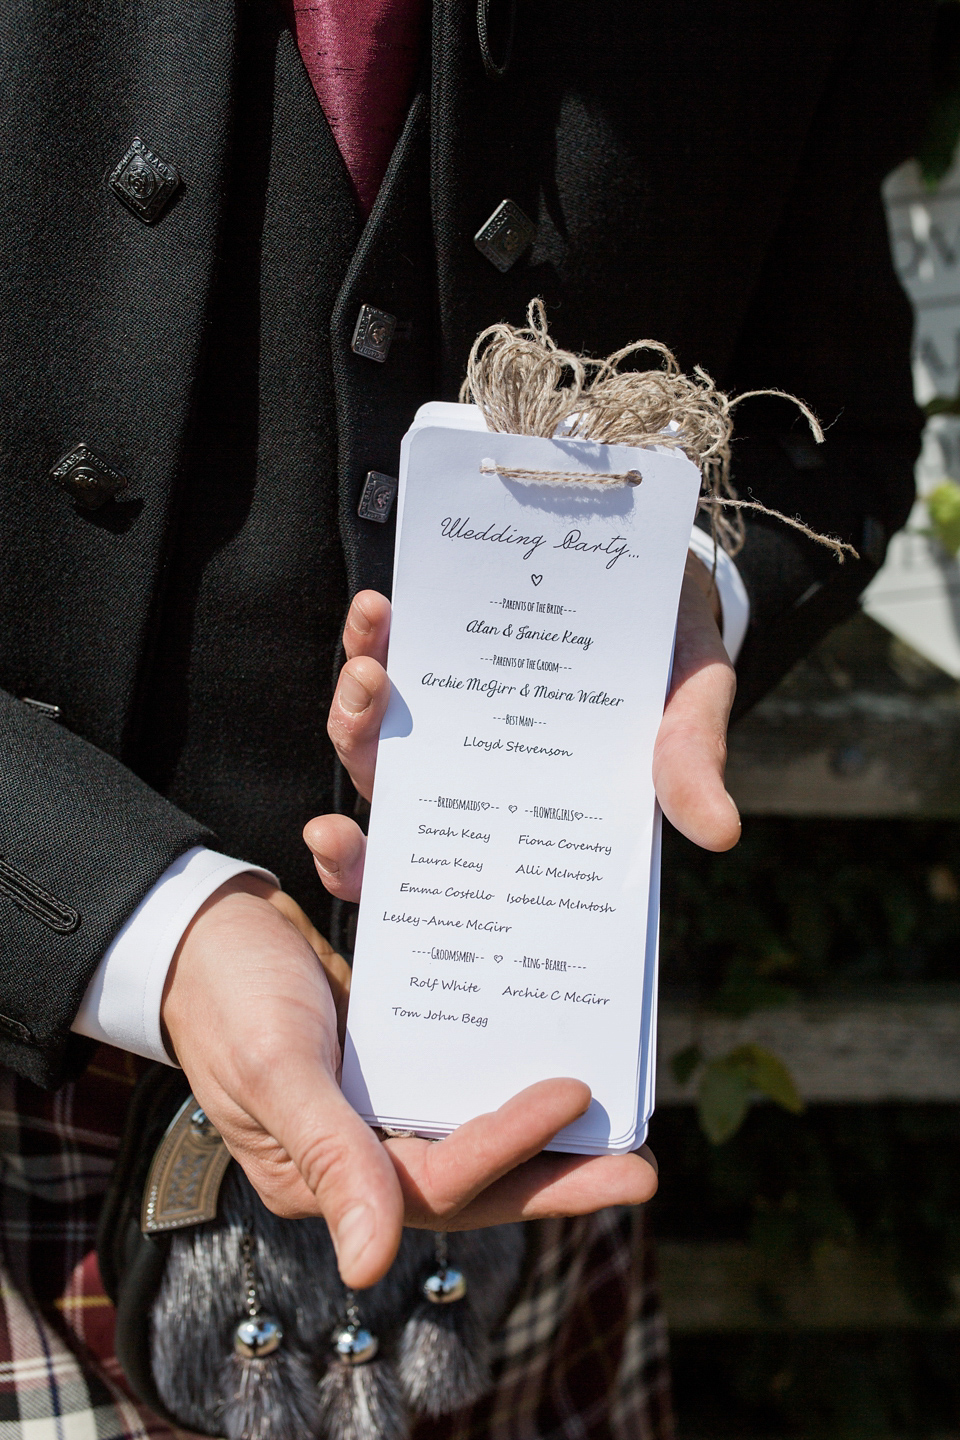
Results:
122 1004
734 600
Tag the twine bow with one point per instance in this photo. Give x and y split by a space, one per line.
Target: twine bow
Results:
525 384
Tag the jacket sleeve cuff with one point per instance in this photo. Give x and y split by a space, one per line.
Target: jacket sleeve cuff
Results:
121 1006
734 600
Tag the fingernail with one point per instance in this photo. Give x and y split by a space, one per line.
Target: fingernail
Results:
736 811
353 696
352 1235
328 866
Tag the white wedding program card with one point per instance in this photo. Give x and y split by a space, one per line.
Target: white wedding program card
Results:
508 927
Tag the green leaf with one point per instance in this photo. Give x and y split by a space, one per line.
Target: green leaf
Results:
685 1062
727 1084
943 507
766 1072
938 146
722 1101
939 143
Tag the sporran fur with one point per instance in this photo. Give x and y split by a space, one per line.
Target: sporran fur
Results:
362 1402
432 1359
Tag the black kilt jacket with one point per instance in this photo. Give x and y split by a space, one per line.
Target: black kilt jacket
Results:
705 173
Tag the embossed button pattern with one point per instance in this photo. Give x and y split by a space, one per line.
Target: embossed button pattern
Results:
377 497
373 333
505 235
144 182
87 477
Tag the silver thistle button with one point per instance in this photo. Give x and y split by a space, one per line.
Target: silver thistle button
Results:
505 236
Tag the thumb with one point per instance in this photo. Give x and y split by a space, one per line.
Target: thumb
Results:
261 1054
691 750
344 1168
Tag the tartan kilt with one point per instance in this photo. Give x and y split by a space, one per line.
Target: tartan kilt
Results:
582 1355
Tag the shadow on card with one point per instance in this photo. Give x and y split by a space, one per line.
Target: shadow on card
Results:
596 1120
576 500
397 721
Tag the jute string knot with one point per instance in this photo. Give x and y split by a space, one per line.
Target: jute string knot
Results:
525 384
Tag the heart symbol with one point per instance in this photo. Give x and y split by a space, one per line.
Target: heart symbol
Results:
498 958
536 579
512 809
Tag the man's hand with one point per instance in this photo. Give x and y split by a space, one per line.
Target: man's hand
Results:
251 1002
250 1010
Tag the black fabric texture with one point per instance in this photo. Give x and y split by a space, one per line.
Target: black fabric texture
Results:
235 710
101 323
392 269
704 174
742 227
72 843
829 321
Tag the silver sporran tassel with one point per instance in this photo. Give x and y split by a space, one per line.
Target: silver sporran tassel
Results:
443 1359
257 1335
265 1386
353 1343
359 1395
445 1285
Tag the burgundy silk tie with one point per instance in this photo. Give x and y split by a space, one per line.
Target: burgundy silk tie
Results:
362 57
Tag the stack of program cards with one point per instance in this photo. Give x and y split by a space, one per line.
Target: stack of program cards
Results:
509 922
